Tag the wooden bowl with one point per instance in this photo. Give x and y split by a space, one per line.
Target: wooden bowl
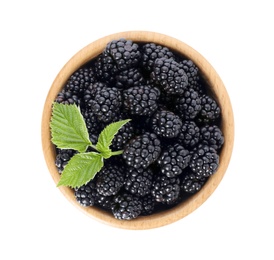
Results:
227 126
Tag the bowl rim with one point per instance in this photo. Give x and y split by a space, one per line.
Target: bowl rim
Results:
218 89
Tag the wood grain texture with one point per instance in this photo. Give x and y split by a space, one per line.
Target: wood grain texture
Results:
219 91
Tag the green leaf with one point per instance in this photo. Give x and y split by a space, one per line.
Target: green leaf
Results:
68 128
81 168
107 135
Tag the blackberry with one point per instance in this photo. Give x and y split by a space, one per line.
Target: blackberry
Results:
138 181
141 100
80 80
166 124
173 160
124 53
189 104
148 205
67 98
192 73
86 194
62 158
166 190
189 135
170 75
129 78
212 136
151 52
105 68
106 104
141 151
126 206
204 161
191 183
210 110
110 180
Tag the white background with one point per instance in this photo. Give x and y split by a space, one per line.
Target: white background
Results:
39 37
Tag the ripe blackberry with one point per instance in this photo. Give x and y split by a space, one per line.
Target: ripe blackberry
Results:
204 161
62 158
189 104
106 104
105 68
210 110
124 53
141 100
165 190
80 80
170 75
148 204
192 183
143 150
212 136
86 194
192 73
166 124
126 206
138 181
174 160
67 98
110 180
189 135
129 78
151 52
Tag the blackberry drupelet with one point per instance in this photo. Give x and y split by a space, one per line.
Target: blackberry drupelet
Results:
110 180
125 53
174 160
189 104
212 136
143 150
86 194
204 161
170 75
129 78
210 110
151 52
138 181
189 135
141 100
62 158
165 190
126 206
192 183
166 124
106 104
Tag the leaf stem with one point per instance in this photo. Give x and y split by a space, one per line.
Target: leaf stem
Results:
93 147
117 152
